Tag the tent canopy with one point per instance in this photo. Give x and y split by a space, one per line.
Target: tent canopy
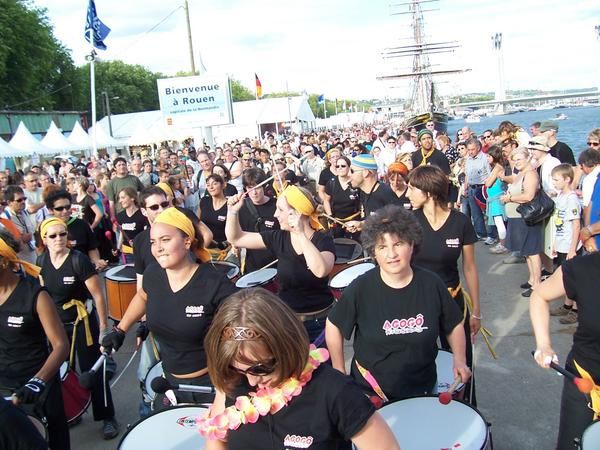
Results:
55 140
80 138
24 140
8 151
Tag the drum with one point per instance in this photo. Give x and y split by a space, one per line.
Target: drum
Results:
120 289
230 269
155 371
170 429
445 375
341 281
591 437
76 398
346 251
265 278
421 423
39 426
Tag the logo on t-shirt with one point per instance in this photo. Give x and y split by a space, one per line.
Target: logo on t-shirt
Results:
298 441
453 243
194 311
128 226
68 280
15 322
221 218
269 223
405 326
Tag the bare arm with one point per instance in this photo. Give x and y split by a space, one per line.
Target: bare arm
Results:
204 231
55 332
335 345
97 216
375 435
233 230
135 310
217 407
111 206
93 286
321 192
457 342
472 279
491 179
327 203
530 187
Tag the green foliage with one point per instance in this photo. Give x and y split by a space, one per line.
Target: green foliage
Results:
239 92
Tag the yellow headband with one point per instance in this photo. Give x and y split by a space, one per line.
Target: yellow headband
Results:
48 223
166 189
175 218
297 200
7 252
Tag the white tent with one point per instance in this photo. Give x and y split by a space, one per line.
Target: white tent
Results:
80 138
55 140
103 139
8 151
24 140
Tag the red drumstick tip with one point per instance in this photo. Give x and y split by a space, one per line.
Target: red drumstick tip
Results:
376 400
584 386
108 234
445 398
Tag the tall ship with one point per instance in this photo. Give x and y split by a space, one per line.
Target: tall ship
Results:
424 103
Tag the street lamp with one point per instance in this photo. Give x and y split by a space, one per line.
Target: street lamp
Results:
107 100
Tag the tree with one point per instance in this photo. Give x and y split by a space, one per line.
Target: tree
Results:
239 92
35 69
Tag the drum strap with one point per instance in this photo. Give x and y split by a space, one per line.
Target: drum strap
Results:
82 315
594 405
469 306
154 347
369 378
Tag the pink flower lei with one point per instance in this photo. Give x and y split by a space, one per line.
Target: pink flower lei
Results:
248 409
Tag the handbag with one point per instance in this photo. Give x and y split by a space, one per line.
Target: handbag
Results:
537 209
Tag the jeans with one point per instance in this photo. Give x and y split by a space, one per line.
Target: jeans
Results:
315 329
472 210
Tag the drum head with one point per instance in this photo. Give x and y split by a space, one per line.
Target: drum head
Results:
346 250
173 429
347 276
424 423
256 278
155 371
445 374
591 437
228 268
121 273
64 368
39 426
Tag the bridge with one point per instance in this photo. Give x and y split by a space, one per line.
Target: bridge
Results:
536 98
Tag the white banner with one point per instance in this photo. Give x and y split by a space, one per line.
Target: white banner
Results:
198 101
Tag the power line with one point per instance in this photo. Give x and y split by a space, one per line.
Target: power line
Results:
39 97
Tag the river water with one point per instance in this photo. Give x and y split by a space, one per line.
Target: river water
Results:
573 130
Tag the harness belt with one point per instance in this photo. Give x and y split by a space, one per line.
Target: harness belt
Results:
82 315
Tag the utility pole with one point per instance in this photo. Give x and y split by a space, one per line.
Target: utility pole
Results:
500 92
597 28
189 32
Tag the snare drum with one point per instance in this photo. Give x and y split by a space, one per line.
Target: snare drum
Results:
155 371
230 269
171 429
120 289
424 423
341 281
346 251
445 375
76 398
265 278
591 437
40 426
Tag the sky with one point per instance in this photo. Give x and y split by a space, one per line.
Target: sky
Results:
333 47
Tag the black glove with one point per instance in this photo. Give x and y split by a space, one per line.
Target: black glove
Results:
142 331
113 340
31 391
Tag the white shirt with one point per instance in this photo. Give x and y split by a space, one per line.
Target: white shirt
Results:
587 186
550 162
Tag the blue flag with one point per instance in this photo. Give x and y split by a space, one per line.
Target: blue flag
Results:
321 99
94 23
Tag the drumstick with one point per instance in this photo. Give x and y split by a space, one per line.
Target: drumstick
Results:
268 265
124 369
446 397
333 219
268 179
368 258
584 386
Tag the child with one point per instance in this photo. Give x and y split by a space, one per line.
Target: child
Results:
495 190
567 216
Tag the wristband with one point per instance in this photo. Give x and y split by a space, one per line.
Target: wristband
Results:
475 317
232 213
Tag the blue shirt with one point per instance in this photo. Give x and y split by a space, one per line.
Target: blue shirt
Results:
595 208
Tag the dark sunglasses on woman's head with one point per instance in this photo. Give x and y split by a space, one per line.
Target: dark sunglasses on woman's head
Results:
53 236
162 205
258 370
61 208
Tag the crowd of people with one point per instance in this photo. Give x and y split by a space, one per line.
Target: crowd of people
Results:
416 201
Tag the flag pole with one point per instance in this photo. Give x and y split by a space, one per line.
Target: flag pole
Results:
92 58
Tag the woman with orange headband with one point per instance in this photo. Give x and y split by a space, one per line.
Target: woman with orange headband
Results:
179 296
28 321
306 255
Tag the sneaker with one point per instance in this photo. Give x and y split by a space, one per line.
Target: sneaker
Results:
560 311
569 319
527 293
525 285
514 260
490 241
110 430
498 249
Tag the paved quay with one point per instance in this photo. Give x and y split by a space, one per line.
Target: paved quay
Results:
520 400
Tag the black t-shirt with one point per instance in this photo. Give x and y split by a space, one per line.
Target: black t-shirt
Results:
87 214
326 176
403 201
257 219
81 237
437 158
142 251
344 203
67 282
180 320
396 330
580 278
563 152
23 344
132 225
298 286
380 196
330 411
439 250
17 432
215 220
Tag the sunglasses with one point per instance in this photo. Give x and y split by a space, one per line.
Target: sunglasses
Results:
258 370
54 236
162 205
355 170
341 167
19 200
593 144
61 208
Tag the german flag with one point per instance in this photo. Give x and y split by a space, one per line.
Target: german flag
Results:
258 87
